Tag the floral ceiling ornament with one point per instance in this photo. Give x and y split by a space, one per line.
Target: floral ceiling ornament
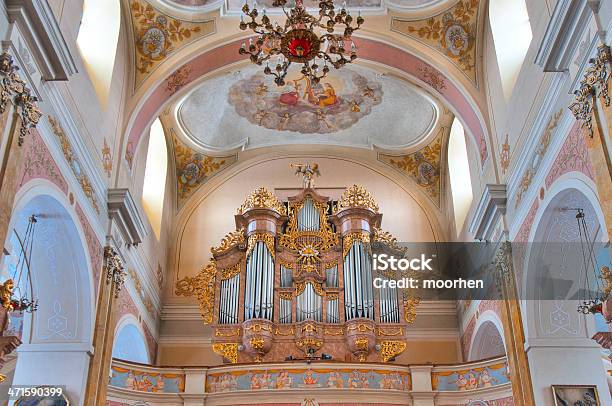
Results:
146 301
193 168
297 40
107 159
422 166
453 32
594 84
504 155
178 79
14 90
157 36
74 163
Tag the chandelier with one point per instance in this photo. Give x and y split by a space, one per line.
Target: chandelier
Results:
298 42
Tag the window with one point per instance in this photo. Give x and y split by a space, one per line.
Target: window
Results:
459 172
511 36
97 41
154 187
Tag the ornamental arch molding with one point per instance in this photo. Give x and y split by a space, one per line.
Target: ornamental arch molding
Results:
488 338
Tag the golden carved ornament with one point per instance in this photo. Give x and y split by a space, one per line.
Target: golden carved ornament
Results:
594 84
231 271
390 332
410 305
330 264
286 264
227 333
258 328
203 287
14 90
606 278
385 237
326 237
350 238
261 198
309 328
357 196
115 271
6 294
309 343
290 332
362 328
267 238
229 241
229 351
257 343
300 286
286 295
332 296
391 349
333 332
361 344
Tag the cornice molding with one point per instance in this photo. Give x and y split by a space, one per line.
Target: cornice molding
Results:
490 209
562 38
122 210
42 32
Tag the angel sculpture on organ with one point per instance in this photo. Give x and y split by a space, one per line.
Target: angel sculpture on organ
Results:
308 172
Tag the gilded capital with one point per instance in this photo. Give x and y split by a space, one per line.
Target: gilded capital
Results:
115 271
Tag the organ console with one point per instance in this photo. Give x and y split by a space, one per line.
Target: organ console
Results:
294 280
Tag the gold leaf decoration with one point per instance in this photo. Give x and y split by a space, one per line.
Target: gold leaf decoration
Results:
158 36
357 196
193 168
422 166
261 198
267 239
350 238
327 237
229 241
230 272
229 351
452 32
410 306
391 349
203 287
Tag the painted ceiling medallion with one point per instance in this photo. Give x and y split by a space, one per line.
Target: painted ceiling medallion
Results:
297 41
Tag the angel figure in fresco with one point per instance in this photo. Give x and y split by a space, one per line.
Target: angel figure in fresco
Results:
283 380
290 94
255 383
159 385
356 380
461 382
309 378
486 380
130 382
308 172
472 381
335 380
265 380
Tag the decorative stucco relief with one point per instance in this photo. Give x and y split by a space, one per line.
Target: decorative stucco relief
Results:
453 33
158 36
573 157
74 163
38 163
144 297
193 168
94 247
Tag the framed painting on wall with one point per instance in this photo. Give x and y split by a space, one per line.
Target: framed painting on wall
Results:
571 395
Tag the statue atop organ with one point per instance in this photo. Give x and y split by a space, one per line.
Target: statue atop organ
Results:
295 280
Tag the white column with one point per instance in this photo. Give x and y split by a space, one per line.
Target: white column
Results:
54 364
422 392
195 384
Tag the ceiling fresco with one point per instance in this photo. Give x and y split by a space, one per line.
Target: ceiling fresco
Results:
356 107
236 5
452 32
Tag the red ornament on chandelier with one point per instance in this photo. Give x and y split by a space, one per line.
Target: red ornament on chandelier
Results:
297 41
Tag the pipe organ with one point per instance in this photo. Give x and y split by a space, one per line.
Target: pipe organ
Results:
295 279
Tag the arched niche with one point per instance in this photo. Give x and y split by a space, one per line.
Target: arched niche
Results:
57 338
130 343
558 338
488 338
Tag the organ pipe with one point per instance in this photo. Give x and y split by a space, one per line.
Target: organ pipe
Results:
309 305
228 302
258 299
332 311
308 217
358 293
332 277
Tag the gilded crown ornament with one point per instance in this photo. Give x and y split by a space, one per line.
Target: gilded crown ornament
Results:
297 40
262 198
357 196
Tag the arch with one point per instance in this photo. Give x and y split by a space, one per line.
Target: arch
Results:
97 40
60 332
512 35
130 343
556 334
488 338
211 60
